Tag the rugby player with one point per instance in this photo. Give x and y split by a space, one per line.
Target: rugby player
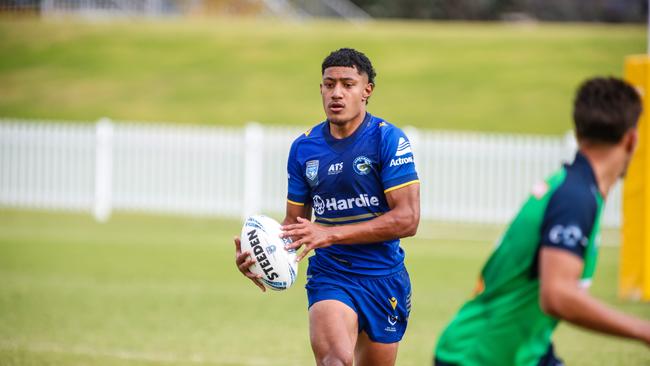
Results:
541 269
356 171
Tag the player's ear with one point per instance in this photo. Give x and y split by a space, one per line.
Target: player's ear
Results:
631 140
367 92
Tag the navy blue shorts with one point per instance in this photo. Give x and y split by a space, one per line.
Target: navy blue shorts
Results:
382 304
550 359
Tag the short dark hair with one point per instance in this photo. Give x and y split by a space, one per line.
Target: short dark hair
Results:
349 57
604 109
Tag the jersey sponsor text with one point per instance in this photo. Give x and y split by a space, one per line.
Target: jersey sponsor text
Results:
333 204
400 161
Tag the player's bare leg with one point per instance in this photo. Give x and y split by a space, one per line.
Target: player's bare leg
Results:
333 333
369 353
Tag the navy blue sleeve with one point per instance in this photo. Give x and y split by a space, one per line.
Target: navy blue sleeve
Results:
569 219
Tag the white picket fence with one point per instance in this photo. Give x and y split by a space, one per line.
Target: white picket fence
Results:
233 171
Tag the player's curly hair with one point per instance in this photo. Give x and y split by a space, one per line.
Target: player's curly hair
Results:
349 57
604 109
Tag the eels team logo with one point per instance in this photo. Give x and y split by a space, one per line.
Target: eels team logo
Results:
362 165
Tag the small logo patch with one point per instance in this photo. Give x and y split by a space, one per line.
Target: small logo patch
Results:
392 319
569 236
362 165
393 302
311 170
319 205
254 223
335 168
270 249
403 147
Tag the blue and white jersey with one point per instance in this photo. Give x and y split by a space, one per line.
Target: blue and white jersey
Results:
345 181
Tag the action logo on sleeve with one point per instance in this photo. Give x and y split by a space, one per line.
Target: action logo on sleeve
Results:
403 147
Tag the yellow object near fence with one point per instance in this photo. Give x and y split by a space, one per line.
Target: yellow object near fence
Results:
634 275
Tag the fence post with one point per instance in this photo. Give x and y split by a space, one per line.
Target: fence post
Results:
413 135
253 154
570 146
103 170
47 8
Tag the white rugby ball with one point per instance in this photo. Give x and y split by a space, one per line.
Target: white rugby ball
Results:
261 237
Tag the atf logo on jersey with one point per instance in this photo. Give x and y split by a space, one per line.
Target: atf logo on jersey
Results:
333 204
362 165
335 168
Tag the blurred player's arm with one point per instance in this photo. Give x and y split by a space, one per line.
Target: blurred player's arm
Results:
561 297
400 221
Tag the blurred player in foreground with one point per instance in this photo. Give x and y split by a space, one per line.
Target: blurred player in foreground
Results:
357 173
541 269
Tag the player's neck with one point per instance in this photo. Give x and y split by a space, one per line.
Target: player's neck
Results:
603 161
345 129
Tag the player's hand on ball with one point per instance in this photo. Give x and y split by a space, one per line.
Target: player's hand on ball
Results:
244 260
308 234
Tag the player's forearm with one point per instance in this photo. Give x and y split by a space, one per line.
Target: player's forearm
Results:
578 308
392 225
294 211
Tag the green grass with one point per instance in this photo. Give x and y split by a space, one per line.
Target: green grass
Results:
479 76
144 290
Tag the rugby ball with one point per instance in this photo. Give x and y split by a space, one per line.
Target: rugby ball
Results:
261 237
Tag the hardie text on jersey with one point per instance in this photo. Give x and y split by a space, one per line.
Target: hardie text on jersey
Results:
333 204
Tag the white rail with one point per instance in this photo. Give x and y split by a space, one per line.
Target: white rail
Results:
232 171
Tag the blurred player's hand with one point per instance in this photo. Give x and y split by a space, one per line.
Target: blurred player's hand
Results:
306 233
244 261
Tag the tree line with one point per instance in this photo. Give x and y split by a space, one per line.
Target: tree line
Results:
544 10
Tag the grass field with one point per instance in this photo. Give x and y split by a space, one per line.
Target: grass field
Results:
145 290
491 77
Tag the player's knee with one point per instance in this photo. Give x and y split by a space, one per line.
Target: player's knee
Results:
335 358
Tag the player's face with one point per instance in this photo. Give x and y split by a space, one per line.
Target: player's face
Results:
344 93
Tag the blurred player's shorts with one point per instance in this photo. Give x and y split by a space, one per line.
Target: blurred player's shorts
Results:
549 359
